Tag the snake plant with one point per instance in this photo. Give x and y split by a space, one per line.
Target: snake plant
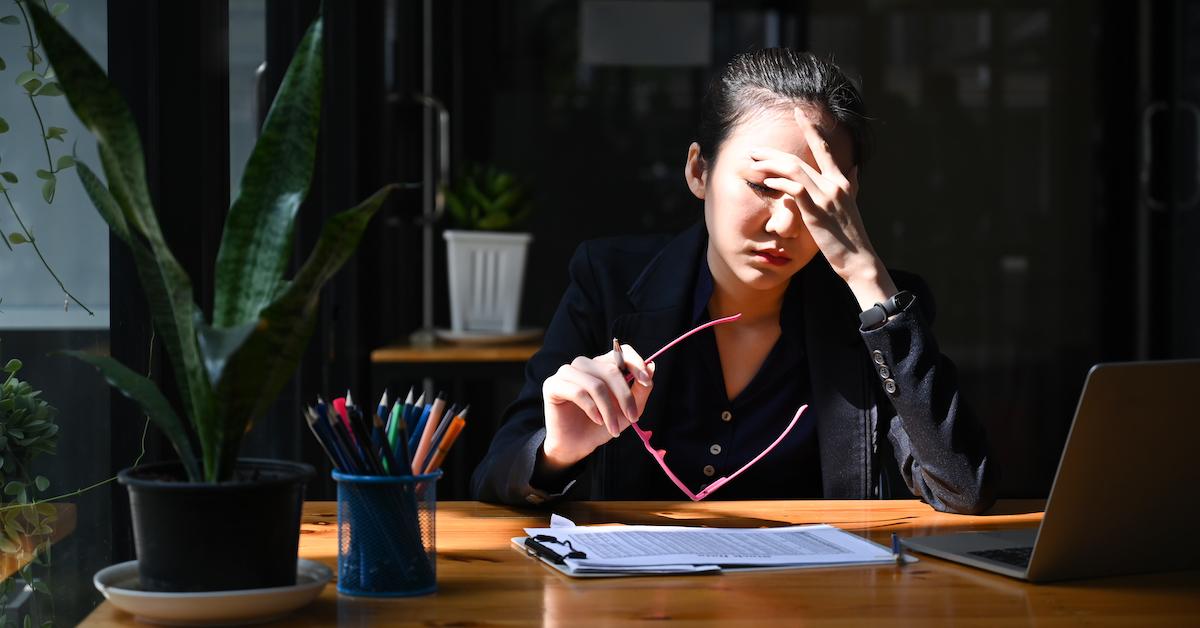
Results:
231 365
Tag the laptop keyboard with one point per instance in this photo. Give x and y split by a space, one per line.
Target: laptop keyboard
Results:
1015 556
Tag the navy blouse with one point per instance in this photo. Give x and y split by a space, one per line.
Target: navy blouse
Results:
707 435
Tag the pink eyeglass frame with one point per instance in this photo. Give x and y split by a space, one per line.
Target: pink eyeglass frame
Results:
660 454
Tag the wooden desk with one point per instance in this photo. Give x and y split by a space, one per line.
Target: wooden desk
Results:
482 581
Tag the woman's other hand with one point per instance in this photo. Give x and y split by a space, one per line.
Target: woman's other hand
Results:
826 196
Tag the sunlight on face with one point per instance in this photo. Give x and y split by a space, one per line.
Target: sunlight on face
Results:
756 234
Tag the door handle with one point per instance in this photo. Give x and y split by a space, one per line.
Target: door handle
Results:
1147 157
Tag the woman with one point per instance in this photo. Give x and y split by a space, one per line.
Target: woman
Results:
776 165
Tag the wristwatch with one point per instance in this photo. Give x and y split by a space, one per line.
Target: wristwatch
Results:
876 315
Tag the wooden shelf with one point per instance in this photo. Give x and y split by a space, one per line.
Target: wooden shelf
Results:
407 354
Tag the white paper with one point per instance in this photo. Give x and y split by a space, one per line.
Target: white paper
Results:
681 549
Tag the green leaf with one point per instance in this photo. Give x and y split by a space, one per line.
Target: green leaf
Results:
105 204
3 65
8 176
150 399
48 190
17 238
55 133
167 286
42 482
64 162
32 86
10 20
44 174
50 89
26 77
13 487
99 106
13 366
33 57
59 8
257 242
256 372
3 125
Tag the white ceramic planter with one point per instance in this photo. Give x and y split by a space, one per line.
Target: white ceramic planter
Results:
487 271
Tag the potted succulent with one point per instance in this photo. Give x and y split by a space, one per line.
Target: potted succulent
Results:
486 265
212 521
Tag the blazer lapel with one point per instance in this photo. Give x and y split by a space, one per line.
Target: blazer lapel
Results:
660 310
661 300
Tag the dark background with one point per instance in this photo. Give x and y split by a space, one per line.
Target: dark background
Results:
1036 163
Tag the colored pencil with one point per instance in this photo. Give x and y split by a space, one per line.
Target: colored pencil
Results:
456 427
431 424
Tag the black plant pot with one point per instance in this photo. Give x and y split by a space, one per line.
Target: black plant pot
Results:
241 534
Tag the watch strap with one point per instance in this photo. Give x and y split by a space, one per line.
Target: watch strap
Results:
877 314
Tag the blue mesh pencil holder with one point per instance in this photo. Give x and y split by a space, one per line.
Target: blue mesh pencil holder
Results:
386 534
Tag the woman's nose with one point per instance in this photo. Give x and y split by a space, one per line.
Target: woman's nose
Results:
784 219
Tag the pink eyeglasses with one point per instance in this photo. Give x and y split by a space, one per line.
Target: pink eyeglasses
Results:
660 454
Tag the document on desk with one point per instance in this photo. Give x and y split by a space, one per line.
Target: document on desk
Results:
634 550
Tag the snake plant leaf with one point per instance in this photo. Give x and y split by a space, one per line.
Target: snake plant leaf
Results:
218 343
257 242
104 202
97 104
152 402
256 372
168 289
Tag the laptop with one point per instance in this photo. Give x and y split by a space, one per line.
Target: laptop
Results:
1125 497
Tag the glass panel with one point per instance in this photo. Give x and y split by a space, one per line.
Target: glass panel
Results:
978 109
247 59
36 319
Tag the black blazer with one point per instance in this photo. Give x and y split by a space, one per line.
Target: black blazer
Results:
639 289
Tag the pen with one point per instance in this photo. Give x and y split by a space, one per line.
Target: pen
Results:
621 362
897 550
630 378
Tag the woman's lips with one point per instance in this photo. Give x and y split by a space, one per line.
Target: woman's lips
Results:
773 259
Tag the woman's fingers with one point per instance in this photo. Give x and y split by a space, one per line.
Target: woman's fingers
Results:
607 372
636 366
642 392
819 147
563 388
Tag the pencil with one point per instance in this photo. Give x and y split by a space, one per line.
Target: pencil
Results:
310 418
358 424
456 427
400 444
379 441
392 421
440 435
414 437
431 425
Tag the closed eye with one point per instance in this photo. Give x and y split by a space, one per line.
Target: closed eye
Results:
760 189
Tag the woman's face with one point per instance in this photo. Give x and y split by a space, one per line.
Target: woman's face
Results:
755 234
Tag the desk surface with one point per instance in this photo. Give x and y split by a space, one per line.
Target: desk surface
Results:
482 581
406 354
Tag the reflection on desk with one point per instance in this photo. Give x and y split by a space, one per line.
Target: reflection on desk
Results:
481 580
